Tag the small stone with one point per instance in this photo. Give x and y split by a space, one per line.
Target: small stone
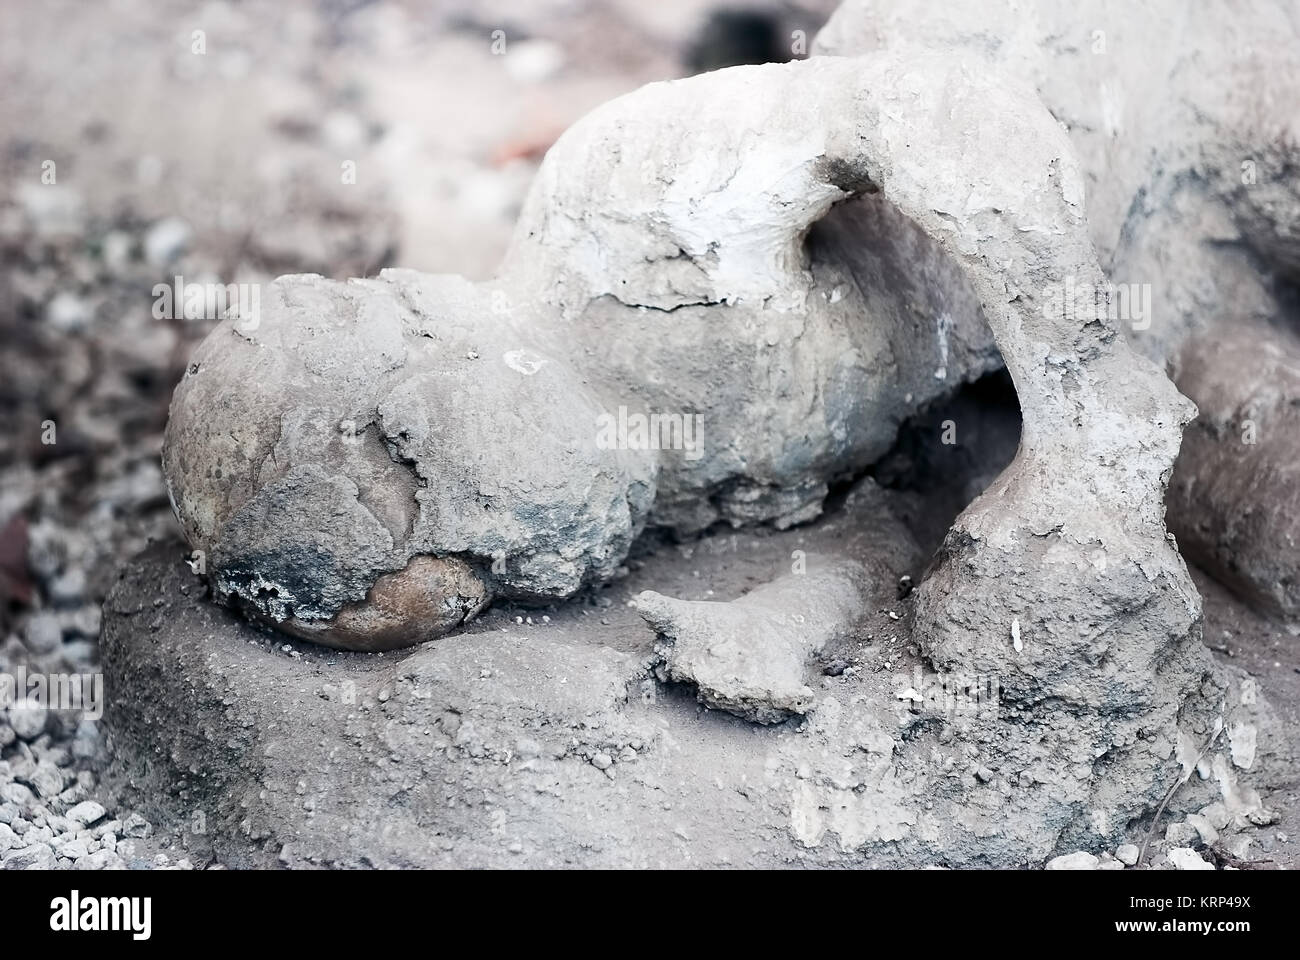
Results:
116 250
47 780
74 850
1239 846
68 588
18 795
44 635
68 313
1080 860
1203 828
1263 817
166 240
602 761
86 813
1185 858
983 774
85 744
100 860
1216 814
1181 835
1127 854
85 621
57 755
28 720
137 826
535 60
8 839
835 668
80 652
35 857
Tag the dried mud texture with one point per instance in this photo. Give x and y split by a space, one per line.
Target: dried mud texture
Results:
1234 502
554 744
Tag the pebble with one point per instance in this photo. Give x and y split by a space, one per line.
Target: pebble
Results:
68 313
74 849
44 635
80 652
101 860
166 240
602 761
1204 829
1080 860
84 622
85 743
1216 814
68 588
17 794
116 250
46 780
532 61
28 721
1127 854
1181 835
1185 858
86 812
57 755
35 857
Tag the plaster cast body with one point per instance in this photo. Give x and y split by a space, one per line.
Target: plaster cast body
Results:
842 240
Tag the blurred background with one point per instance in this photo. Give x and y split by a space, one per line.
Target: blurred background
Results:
232 142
